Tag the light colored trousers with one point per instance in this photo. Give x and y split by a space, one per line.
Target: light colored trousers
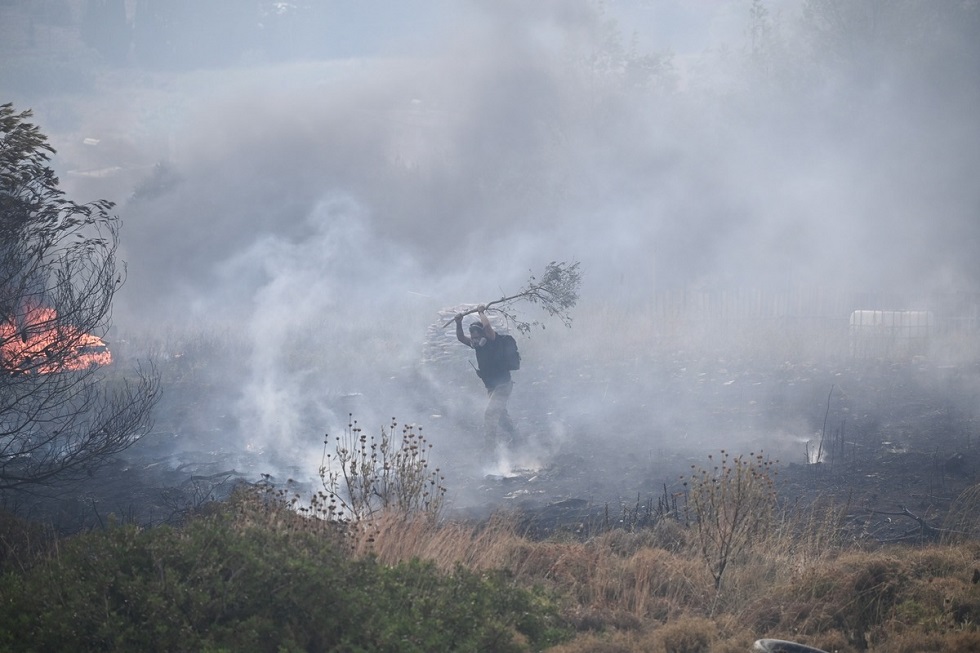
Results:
498 426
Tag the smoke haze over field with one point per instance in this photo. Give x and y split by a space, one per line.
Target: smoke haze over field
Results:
516 124
318 213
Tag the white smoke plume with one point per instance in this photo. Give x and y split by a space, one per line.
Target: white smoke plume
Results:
321 214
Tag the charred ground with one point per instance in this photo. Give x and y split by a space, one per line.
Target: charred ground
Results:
894 443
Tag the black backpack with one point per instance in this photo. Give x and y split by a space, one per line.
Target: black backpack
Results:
507 352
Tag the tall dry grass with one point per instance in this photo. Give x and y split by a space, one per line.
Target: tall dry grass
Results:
651 590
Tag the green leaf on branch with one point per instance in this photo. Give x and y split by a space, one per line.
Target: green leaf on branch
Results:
556 292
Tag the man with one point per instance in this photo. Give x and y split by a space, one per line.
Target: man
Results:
495 375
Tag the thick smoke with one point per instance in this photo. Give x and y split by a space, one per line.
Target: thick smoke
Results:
319 215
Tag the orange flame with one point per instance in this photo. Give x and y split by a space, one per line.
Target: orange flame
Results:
42 347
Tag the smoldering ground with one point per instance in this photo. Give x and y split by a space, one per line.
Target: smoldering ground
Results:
309 222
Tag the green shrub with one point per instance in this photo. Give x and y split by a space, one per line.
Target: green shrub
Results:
215 585
21 541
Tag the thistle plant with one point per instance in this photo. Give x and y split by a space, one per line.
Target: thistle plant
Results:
732 501
364 474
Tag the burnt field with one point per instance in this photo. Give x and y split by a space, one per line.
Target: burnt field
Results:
894 442
605 440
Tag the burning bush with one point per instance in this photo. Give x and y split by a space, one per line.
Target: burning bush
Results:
58 278
43 346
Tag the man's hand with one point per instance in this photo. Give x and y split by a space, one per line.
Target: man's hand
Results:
481 309
459 318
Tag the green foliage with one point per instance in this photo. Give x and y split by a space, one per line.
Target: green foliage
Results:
218 583
20 541
556 292
365 475
732 502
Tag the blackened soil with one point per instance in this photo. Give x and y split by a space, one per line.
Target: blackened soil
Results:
894 446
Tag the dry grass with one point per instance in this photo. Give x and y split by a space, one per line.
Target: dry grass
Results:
651 591
797 576
963 519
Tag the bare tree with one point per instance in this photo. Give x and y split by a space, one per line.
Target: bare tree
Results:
62 411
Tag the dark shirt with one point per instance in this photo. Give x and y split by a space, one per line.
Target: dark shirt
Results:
492 369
